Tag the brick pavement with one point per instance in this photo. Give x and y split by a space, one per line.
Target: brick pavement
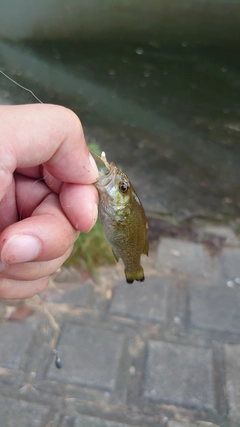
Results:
139 355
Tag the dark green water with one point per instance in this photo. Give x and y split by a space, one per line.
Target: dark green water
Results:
170 115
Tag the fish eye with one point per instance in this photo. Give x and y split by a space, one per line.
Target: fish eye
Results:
123 187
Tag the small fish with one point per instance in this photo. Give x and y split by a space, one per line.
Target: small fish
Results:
123 219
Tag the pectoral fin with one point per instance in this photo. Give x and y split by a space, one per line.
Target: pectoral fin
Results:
115 256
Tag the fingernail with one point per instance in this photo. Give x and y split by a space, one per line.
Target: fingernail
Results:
93 163
20 248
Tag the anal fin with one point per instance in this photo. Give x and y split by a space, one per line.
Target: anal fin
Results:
146 248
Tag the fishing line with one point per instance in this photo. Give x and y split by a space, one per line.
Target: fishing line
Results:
51 319
58 362
22 87
33 94
23 203
39 100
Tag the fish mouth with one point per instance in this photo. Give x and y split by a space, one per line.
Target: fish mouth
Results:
106 178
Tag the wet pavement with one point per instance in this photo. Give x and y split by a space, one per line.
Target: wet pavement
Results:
164 352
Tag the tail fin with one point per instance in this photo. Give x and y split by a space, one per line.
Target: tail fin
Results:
135 275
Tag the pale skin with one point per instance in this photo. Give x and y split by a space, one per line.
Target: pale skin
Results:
47 194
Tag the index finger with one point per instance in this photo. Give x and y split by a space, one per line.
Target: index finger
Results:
52 135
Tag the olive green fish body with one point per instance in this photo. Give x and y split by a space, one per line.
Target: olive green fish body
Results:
123 220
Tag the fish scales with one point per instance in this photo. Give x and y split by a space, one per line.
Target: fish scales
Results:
123 219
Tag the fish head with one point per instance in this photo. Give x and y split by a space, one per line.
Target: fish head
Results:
114 187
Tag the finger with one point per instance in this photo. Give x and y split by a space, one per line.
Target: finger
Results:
34 172
57 137
8 208
79 202
30 271
80 205
46 235
53 183
29 194
19 290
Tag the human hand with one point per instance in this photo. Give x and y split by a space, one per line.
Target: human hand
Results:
46 194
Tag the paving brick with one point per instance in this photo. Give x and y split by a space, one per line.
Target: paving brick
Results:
18 413
180 375
85 421
220 231
177 424
232 362
69 293
215 308
197 424
90 357
15 339
147 300
230 260
183 256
